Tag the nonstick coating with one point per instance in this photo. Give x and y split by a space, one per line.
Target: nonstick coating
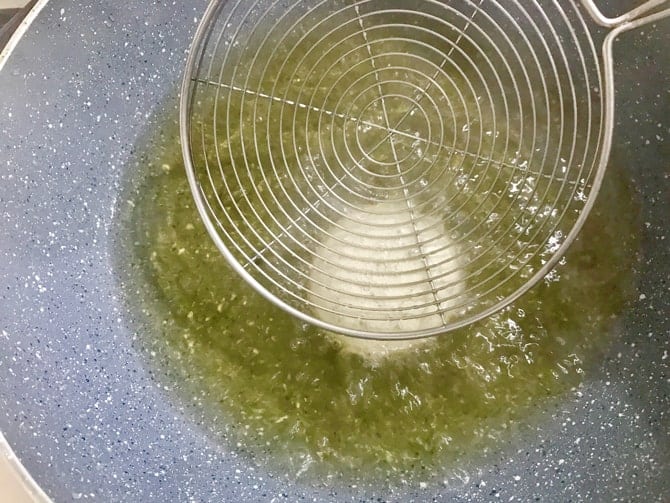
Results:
87 416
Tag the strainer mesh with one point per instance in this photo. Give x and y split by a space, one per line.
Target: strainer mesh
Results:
391 168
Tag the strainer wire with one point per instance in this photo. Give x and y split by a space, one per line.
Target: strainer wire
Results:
296 239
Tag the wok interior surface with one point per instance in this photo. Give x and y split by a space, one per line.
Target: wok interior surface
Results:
86 412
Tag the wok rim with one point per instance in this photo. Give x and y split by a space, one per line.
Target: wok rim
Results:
26 480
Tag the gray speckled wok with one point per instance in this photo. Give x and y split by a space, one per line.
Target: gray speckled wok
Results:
85 84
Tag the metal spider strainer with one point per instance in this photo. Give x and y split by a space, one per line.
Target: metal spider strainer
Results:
394 169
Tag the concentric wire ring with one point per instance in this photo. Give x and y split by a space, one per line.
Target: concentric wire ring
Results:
393 171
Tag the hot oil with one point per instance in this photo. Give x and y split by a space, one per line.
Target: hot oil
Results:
289 396
292 396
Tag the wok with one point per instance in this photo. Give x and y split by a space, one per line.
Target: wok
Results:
88 416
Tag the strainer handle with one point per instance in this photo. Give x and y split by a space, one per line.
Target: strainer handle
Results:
631 19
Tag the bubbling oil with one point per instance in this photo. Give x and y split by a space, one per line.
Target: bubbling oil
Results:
288 395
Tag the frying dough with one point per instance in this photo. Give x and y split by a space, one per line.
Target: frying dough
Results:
358 273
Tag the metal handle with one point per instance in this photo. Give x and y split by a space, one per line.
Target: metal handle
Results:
631 19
